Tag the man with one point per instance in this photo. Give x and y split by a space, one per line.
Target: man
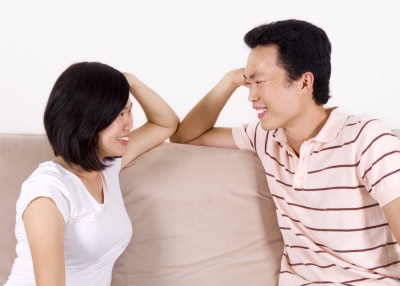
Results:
335 178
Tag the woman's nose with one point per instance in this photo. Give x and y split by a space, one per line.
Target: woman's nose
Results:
128 124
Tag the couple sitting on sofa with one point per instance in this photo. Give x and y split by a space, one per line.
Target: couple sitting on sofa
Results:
334 178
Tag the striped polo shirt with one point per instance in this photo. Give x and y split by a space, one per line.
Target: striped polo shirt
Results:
329 200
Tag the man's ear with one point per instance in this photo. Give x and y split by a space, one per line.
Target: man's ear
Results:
308 80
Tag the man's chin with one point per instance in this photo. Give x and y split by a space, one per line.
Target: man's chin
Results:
266 126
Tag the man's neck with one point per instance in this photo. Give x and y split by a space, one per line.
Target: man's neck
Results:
307 128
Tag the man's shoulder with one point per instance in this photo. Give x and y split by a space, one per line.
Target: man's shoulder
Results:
365 128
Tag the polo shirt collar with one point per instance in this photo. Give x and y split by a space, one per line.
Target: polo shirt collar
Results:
336 120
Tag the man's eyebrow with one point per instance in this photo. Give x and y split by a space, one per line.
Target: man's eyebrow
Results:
252 76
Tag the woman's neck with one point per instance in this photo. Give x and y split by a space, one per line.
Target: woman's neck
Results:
91 179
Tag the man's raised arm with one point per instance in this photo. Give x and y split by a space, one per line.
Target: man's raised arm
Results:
198 125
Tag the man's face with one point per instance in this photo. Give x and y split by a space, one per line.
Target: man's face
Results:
276 101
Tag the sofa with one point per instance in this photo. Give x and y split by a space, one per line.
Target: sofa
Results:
201 216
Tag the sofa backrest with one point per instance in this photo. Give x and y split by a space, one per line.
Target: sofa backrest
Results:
200 215
20 155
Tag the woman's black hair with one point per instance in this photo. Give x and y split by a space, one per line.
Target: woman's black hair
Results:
86 98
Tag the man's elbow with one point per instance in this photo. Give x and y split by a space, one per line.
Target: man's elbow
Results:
174 138
177 139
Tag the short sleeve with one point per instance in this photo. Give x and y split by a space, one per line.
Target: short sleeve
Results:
379 162
44 186
244 136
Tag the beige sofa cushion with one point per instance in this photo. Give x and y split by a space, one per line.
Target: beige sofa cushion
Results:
201 216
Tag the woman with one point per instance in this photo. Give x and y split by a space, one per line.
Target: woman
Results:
71 223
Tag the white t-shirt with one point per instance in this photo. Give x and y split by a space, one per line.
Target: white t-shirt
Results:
95 234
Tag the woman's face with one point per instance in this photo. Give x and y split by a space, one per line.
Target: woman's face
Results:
113 140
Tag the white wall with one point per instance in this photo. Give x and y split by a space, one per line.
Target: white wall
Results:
182 47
